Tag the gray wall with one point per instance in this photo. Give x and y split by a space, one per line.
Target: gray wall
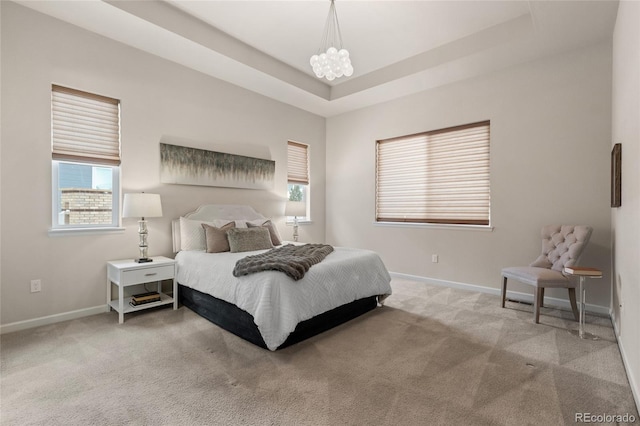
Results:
550 146
157 98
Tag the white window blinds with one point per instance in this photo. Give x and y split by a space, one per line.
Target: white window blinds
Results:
85 127
435 177
298 163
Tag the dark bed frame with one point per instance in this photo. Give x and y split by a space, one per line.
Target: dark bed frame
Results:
240 323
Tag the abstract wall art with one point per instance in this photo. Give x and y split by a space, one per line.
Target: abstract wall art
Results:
192 166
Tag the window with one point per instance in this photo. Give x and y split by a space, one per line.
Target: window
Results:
85 146
298 173
439 177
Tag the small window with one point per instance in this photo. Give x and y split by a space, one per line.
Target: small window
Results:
298 174
439 177
85 131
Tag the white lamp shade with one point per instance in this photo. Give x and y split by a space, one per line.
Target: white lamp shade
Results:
295 208
142 205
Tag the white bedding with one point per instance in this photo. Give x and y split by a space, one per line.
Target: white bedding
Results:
277 302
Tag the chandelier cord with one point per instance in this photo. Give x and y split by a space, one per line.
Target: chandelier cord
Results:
337 26
331 30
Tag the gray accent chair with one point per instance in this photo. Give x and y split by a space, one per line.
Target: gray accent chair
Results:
562 246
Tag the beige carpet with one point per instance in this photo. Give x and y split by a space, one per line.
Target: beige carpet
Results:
433 355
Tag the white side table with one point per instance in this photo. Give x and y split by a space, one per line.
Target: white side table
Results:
583 273
124 273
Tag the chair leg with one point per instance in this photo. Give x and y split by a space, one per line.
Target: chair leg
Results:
503 292
536 304
574 304
541 297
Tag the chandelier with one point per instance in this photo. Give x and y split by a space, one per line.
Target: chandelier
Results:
332 60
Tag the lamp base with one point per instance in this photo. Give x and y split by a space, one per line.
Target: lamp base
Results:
143 260
295 229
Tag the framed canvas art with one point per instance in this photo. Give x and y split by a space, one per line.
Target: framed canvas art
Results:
193 166
616 176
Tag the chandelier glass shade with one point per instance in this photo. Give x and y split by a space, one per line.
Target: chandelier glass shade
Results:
332 60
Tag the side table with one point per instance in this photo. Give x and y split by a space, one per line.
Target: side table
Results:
583 273
124 273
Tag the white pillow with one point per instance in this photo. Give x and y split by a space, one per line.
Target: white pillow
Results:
192 235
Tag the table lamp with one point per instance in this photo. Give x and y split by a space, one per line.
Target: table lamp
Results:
295 209
142 205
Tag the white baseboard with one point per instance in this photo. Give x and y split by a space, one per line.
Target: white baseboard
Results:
635 386
514 295
52 319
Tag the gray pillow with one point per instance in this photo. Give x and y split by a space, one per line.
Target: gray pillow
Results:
216 238
273 232
248 239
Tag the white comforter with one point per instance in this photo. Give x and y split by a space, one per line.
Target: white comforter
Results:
277 302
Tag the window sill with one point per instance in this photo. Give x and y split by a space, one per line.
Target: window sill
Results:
485 228
60 232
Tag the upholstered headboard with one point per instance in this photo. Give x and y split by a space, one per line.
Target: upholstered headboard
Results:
212 212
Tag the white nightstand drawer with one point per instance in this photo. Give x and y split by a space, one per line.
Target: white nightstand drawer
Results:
146 275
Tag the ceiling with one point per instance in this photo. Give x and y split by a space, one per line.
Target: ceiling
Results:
397 47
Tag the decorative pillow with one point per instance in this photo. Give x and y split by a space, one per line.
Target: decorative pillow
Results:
192 234
248 239
273 232
217 237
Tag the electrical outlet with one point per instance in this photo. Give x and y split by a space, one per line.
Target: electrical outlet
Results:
434 258
36 286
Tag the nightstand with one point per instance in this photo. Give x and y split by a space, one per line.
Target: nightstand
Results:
124 273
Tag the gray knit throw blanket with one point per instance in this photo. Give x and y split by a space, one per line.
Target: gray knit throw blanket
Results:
291 259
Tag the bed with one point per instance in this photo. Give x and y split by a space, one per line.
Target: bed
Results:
269 308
